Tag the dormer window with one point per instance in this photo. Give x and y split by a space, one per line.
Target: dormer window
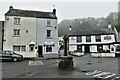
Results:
17 21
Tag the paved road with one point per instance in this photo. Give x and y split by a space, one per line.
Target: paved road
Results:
49 69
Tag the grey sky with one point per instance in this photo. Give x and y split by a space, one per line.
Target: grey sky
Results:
65 10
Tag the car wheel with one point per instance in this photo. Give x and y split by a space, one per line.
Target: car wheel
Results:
15 59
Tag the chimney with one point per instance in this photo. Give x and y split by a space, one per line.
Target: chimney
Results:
109 26
54 11
10 7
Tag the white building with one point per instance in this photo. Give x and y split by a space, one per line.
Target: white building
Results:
98 42
31 33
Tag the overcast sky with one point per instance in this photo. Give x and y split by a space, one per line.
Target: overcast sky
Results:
69 9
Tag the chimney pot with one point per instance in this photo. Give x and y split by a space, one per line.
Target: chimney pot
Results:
11 7
54 11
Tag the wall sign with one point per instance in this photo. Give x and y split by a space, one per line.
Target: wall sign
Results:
107 38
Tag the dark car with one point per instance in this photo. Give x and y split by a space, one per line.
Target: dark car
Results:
10 55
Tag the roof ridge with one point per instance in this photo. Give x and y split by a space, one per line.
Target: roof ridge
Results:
32 10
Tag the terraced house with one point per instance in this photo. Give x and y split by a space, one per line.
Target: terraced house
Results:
98 42
31 33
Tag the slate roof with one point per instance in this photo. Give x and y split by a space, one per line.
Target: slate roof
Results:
103 31
29 13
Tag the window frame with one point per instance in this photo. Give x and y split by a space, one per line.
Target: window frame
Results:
88 40
49 46
98 38
17 21
16 32
49 23
49 34
20 48
79 38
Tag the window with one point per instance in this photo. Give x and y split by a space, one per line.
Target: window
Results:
99 48
48 33
107 38
17 21
16 32
98 38
79 39
23 48
19 48
49 23
88 38
49 48
16 48
79 48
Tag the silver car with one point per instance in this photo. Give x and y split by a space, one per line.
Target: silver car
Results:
10 55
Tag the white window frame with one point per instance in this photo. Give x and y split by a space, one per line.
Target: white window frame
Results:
16 32
49 34
49 23
17 21
49 46
21 48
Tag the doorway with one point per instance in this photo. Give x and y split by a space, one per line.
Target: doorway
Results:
40 51
87 49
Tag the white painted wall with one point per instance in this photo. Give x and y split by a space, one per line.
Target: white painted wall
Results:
72 40
27 23
83 39
105 47
72 47
107 41
42 34
93 39
93 48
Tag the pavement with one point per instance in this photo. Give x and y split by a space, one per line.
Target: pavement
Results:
48 68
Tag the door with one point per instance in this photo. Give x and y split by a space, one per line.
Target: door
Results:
40 51
87 48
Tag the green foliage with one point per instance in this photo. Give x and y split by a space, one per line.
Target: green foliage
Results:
88 23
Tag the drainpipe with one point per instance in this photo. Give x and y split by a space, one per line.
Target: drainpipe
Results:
2 34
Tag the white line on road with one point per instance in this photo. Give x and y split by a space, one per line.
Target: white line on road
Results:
92 73
35 63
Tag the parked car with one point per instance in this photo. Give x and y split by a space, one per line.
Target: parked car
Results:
10 55
76 53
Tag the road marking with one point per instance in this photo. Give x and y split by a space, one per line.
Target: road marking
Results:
35 63
118 77
108 76
104 75
92 73
99 75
